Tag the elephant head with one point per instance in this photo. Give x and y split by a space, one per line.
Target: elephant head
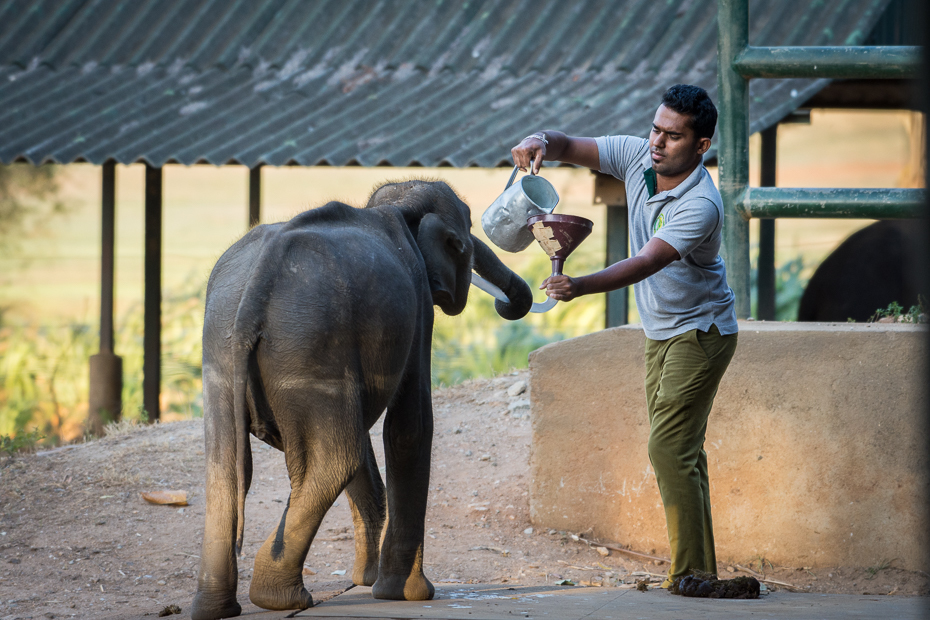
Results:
441 225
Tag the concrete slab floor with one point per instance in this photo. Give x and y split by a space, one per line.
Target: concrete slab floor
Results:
497 602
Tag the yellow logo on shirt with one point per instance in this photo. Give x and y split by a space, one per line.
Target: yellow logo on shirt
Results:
659 223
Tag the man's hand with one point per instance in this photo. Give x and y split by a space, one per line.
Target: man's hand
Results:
562 288
530 151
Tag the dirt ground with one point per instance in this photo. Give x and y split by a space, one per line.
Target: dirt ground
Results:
77 539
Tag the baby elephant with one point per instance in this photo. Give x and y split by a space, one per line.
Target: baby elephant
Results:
314 327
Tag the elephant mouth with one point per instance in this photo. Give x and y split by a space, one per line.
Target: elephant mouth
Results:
445 300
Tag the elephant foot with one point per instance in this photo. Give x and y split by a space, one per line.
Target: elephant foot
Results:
364 575
206 607
401 588
280 596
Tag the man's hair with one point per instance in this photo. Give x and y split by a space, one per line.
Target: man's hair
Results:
695 103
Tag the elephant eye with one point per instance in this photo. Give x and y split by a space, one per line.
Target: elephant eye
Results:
455 244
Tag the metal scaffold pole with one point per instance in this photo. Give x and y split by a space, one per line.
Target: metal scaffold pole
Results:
733 156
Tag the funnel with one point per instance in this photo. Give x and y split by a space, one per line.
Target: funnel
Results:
559 235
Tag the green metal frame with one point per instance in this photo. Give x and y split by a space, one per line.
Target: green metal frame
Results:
738 63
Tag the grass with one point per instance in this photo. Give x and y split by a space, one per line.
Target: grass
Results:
24 441
762 562
122 427
872 571
44 369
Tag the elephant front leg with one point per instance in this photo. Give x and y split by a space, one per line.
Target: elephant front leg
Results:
408 431
366 499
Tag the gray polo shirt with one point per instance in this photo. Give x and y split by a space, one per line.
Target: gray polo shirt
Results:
691 293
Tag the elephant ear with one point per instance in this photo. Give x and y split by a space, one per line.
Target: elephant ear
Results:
442 250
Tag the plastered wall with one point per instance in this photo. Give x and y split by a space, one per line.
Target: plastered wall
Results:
816 444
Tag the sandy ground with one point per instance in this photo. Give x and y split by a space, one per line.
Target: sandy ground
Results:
78 540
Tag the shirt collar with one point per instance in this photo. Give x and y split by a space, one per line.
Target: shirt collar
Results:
689 183
679 190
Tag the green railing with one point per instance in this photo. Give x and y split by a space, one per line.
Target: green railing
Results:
738 63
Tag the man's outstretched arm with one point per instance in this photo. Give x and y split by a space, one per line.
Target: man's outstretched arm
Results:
579 151
655 256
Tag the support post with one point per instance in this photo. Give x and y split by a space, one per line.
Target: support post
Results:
733 155
151 355
766 304
255 195
611 192
106 368
618 302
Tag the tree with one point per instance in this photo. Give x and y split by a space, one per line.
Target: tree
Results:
28 197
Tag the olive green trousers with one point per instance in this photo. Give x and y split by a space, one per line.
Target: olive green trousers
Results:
682 375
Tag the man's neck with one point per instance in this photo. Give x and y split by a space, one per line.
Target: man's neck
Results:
664 183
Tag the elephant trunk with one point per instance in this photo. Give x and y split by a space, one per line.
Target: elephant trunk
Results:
489 266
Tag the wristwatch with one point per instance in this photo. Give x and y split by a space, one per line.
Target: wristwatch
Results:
539 136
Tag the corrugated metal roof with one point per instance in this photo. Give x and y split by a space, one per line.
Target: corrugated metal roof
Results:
379 82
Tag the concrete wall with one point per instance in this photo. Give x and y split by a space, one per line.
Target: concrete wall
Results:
816 444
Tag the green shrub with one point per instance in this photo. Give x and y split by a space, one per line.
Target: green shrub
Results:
23 441
479 343
790 283
44 371
896 312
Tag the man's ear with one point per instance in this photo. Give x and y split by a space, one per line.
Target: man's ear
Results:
703 145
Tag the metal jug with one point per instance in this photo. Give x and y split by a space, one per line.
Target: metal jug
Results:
504 222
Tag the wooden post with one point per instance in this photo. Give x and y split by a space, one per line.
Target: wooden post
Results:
255 195
151 355
765 281
106 368
611 192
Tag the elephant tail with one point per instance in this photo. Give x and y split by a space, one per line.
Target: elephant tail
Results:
245 336
241 414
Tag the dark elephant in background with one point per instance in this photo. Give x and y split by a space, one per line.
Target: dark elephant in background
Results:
314 327
883 263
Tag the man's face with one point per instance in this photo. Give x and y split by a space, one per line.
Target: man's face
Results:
673 145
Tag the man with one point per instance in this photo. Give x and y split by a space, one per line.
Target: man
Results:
687 308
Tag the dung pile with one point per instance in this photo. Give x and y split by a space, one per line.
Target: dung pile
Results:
704 585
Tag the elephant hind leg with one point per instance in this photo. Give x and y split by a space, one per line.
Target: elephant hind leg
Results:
219 576
277 581
367 500
319 473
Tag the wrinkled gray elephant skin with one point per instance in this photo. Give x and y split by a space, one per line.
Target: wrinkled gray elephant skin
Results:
314 327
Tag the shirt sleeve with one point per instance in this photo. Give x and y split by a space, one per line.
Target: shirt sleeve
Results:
691 223
618 153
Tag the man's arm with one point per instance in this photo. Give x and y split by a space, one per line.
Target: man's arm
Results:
655 256
580 151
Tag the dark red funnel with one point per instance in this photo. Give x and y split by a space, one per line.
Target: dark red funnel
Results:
559 235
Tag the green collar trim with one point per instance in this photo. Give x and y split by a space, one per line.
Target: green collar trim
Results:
650 176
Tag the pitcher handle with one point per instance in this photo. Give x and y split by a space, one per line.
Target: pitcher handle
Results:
514 174
512 177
